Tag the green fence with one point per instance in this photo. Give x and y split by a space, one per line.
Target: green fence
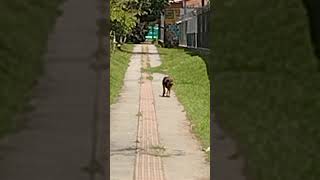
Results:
153 33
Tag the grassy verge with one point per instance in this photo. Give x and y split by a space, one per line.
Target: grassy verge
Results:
274 118
266 91
118 66
191 87
23 37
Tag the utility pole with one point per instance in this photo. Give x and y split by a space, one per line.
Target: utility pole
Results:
184 22
184 8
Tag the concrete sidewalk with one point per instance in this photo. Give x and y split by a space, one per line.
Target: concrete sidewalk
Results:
152 130
123 122
57 143
183 157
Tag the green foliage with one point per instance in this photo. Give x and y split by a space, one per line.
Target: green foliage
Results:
123 18
153 9
126 14
23 37
266 90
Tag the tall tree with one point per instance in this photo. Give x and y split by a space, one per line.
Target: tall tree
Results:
133 16
150 11
123 18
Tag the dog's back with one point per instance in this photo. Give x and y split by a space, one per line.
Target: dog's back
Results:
164 80
167 82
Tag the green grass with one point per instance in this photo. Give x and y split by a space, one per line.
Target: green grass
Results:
23 38
118 66
191 85
266 88
275 120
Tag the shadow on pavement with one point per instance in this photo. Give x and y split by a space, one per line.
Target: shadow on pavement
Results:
126 51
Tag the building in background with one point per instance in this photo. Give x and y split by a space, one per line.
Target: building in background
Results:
169 30
196 3
185 24
193 24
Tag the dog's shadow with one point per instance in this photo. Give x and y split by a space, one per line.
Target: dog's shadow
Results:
164 96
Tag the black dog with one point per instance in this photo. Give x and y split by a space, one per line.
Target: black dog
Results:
167 83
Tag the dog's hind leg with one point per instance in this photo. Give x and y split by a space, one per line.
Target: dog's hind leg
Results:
164 90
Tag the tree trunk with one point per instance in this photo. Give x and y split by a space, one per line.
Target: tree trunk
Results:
121 39
125 39
114 41
313 11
